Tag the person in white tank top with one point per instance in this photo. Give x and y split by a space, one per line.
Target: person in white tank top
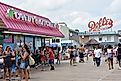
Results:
110 57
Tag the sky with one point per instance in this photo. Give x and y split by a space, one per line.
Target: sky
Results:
75 13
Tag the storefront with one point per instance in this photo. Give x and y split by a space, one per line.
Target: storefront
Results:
18 27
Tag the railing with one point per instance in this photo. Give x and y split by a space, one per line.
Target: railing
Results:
98 33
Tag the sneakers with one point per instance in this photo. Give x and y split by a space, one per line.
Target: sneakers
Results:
119 68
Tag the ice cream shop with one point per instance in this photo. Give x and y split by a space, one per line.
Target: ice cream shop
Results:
18 27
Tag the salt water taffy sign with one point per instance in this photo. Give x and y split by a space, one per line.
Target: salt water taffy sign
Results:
102 24
12 13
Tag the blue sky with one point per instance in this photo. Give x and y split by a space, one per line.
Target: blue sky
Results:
76 13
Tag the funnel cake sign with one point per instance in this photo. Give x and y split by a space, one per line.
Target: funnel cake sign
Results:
102 24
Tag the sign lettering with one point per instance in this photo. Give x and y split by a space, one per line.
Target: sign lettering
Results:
103 24
11 13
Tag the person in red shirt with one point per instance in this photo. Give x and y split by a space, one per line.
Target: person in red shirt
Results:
58 55
51 59
42 58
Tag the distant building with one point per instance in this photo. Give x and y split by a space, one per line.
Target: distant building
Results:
104 38
119 32
71 37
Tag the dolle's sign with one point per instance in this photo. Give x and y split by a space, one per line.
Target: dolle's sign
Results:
11 13
103 24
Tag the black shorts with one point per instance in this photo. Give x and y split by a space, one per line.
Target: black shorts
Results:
71 56
110 58
81 55
119 57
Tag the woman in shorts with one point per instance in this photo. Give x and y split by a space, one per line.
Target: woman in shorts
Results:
110 57
25 62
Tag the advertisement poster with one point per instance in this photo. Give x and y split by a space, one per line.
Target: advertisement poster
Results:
8 44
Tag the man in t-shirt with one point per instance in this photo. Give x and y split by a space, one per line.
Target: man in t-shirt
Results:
98 53
119 55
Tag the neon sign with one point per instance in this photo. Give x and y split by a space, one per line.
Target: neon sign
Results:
103 24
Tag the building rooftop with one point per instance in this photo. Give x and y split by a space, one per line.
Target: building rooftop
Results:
99 33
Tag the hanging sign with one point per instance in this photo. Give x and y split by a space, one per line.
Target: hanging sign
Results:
102 24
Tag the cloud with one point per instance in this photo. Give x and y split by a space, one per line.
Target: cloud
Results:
114 7
46 4
76 14
76 19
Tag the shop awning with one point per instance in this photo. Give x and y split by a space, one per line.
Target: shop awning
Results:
16 25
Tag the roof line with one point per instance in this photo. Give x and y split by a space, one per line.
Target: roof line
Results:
25 11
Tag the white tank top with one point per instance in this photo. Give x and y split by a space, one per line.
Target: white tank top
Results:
109 51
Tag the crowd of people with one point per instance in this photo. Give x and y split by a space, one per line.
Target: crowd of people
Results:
17 62
109 53
97 53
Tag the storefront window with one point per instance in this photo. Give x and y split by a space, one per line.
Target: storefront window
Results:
37 42
18 40
29 42
43 41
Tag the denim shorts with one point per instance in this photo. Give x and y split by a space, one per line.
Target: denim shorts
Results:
51 61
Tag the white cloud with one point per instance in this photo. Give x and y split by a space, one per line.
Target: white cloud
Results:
114 7
45 4
76 13
77 19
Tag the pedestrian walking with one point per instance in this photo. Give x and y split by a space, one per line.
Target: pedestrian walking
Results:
119 55
71 51
75 55
86 53
98 53
42 57
93 56
51 58
25 62
58 55
7 63
81 53
110 57
105 54
13 59
19 51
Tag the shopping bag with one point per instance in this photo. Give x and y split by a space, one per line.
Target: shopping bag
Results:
31 61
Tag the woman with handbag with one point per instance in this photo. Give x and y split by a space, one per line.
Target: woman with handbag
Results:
25 62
